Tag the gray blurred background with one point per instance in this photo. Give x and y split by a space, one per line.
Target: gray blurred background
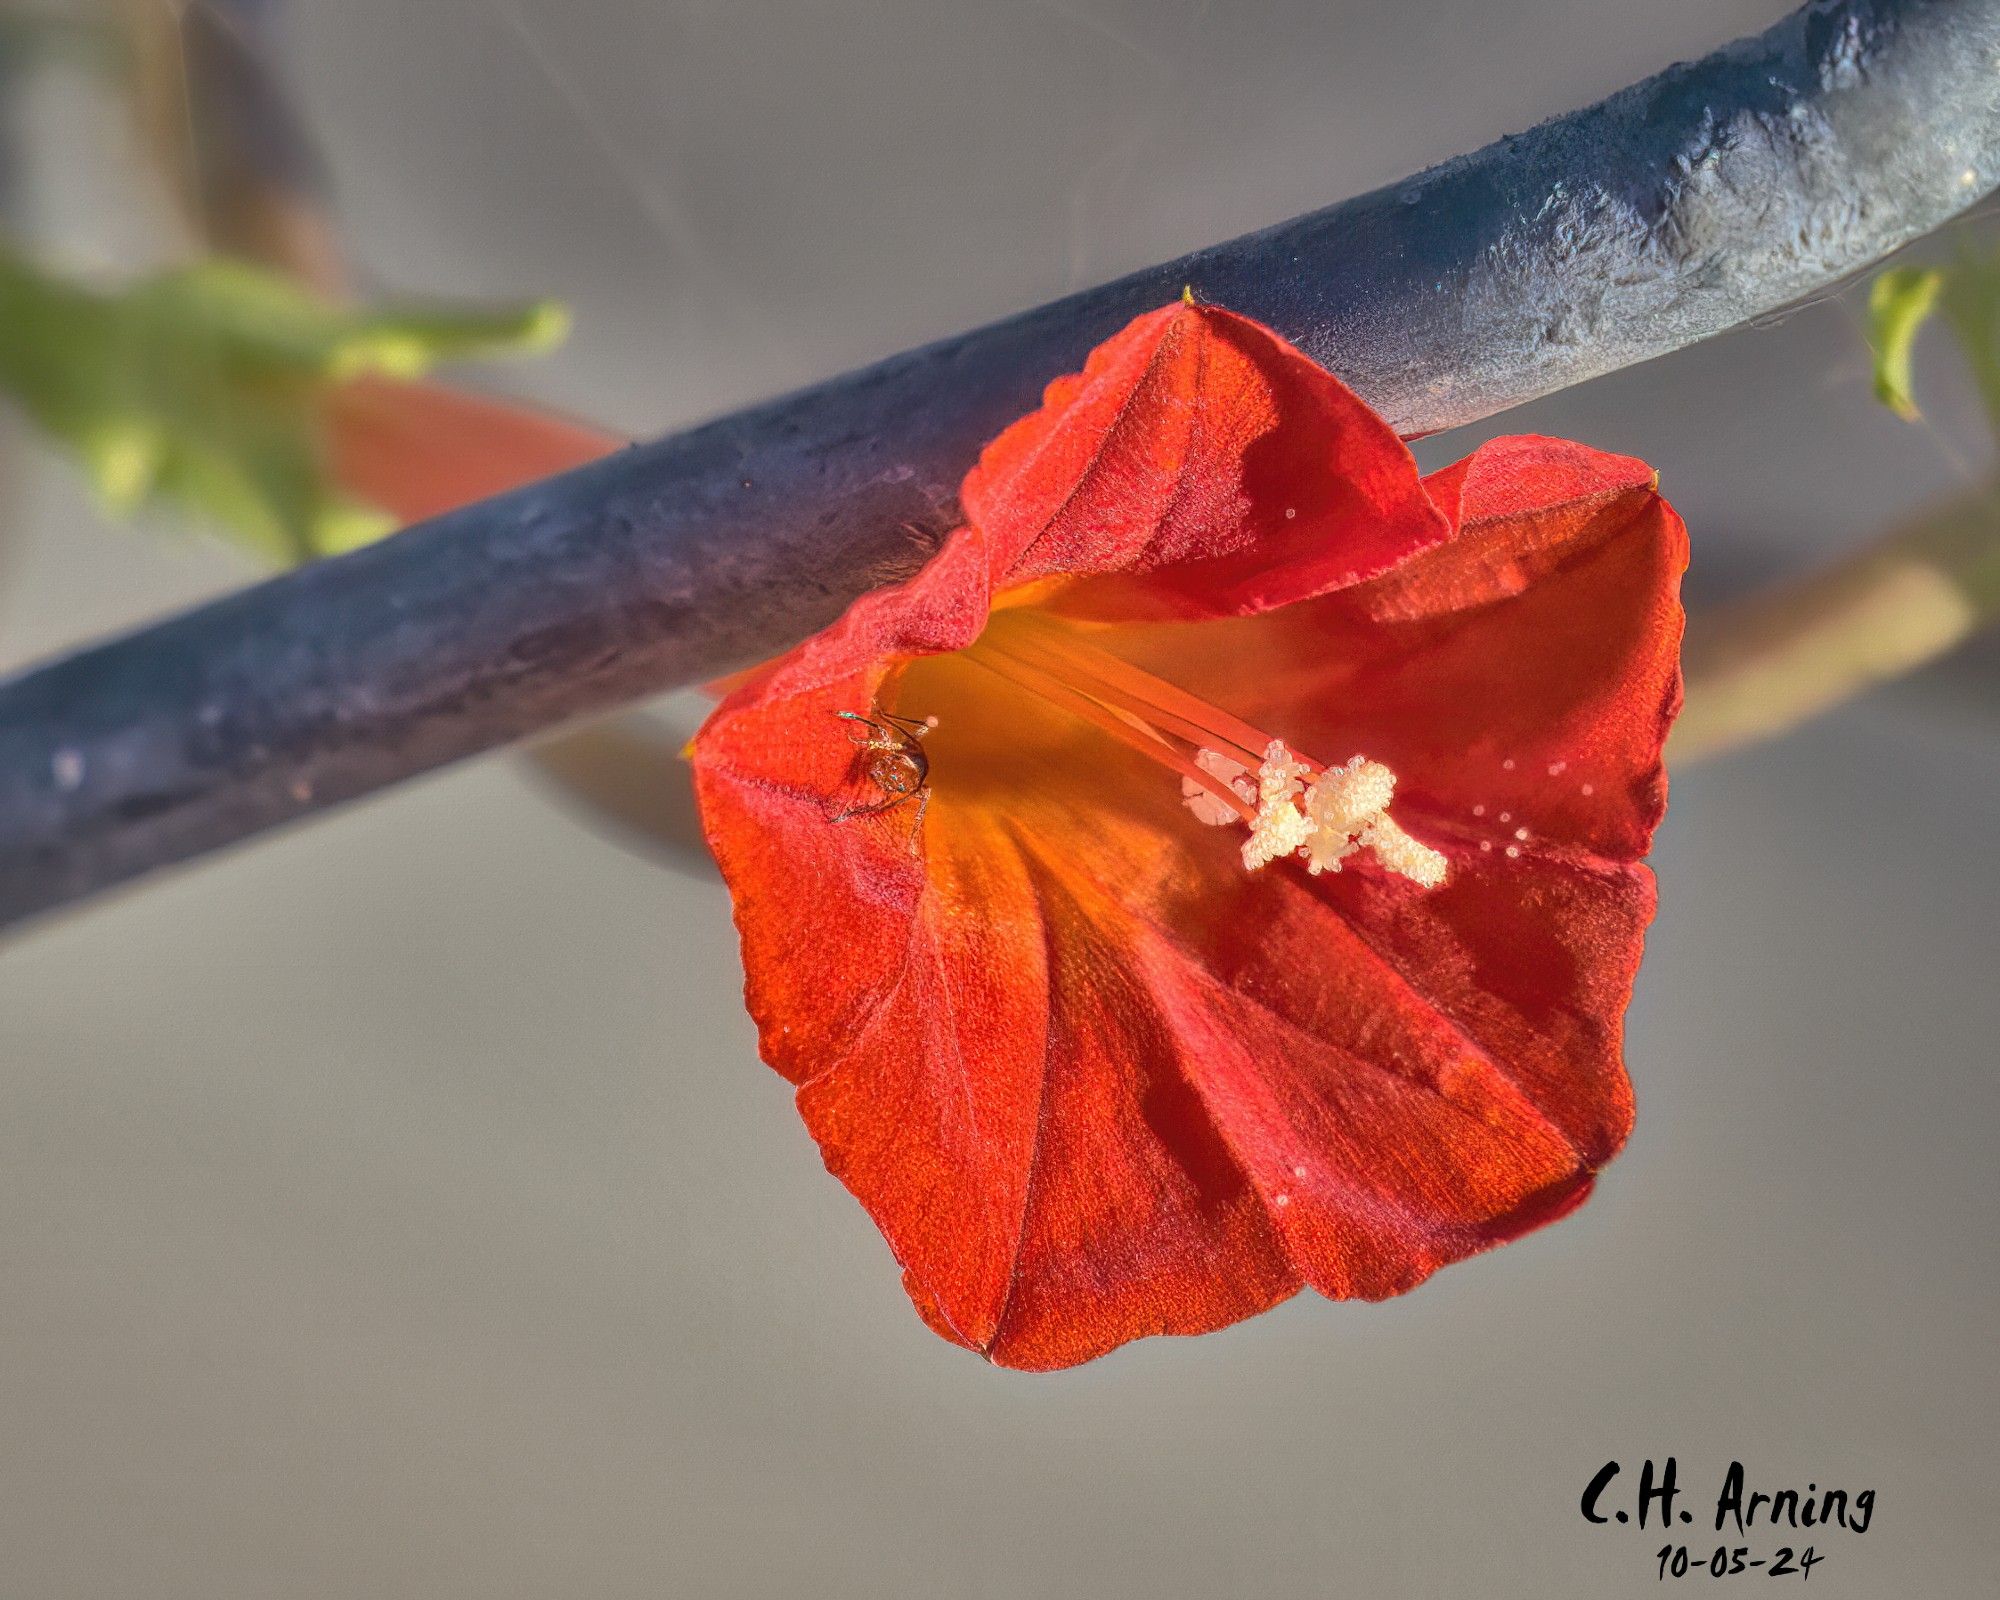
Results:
397 1207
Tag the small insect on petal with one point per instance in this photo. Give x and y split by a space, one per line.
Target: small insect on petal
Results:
895 762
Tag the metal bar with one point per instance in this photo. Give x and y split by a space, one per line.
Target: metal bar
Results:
1713 193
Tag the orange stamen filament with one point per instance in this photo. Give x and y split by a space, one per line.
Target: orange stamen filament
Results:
1293 806
1121 724
1107 689
1190 716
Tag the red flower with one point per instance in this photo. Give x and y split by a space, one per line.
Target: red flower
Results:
419 450
1099 1070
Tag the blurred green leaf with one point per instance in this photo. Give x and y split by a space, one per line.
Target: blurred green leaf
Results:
1965 294
202 389
1900 302
1970 301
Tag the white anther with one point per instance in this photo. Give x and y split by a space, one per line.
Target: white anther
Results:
1280 826
1324 819
1401 854
1205 803
1346 799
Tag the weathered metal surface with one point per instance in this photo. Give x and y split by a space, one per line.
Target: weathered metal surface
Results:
1714 193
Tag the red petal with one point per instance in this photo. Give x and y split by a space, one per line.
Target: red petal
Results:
1095 1083
1209 465
1390 1111
1529 668
1080 505
989 1076
420 449
1521 681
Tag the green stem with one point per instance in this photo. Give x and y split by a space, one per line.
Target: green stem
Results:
1765 664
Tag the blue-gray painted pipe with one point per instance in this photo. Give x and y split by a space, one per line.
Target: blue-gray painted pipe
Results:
1716 192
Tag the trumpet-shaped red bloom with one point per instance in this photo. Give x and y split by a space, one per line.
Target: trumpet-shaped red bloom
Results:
1235 882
